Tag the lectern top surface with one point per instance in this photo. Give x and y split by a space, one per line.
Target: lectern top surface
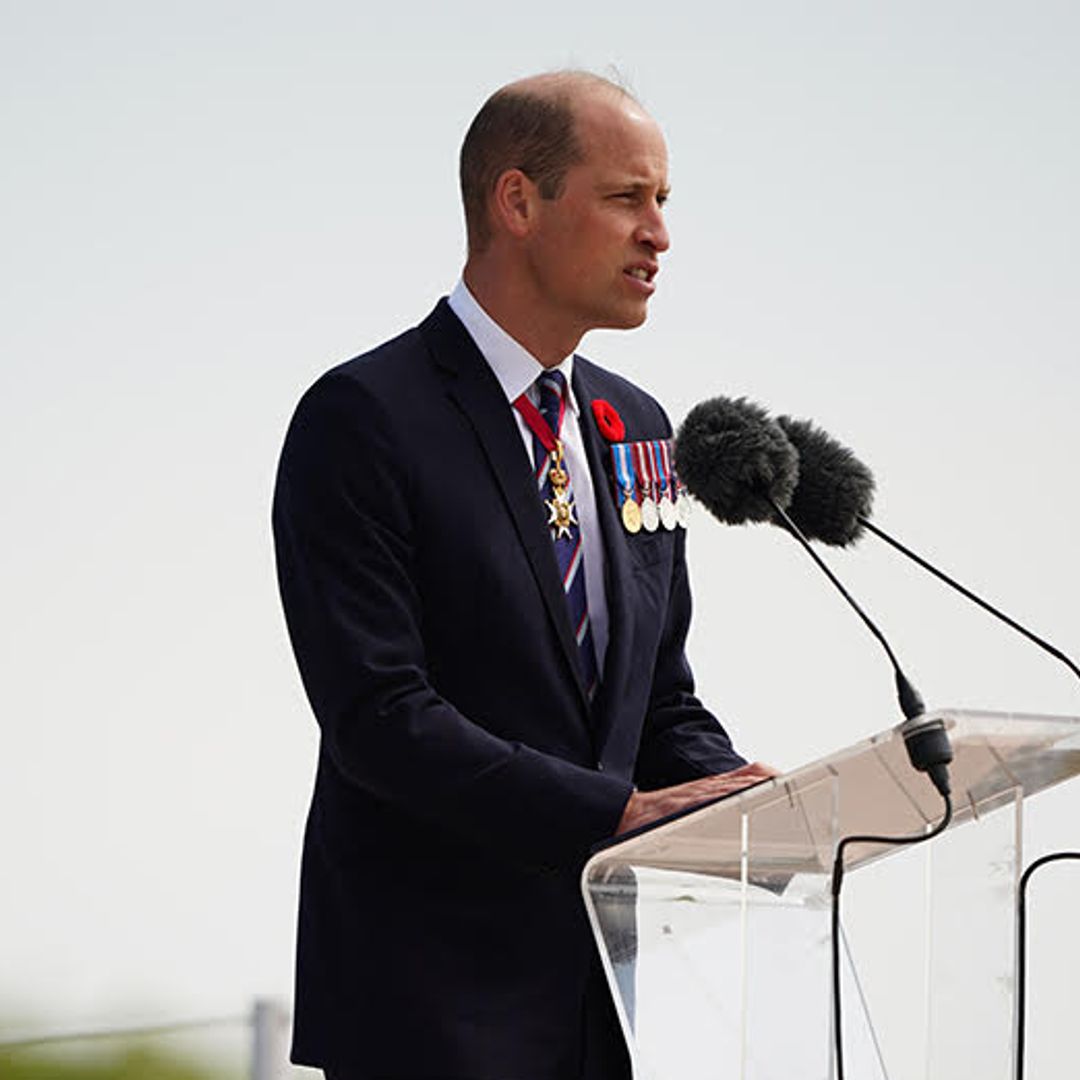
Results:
790 825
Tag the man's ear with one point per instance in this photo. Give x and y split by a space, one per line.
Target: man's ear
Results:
513 203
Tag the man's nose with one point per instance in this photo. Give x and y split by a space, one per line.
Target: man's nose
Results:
653 231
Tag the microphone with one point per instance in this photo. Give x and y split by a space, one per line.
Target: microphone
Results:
743 466
736 460
835 495
833 503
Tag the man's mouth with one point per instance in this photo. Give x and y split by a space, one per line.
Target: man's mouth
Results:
642 273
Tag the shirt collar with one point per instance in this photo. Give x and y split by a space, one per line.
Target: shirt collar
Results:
514 366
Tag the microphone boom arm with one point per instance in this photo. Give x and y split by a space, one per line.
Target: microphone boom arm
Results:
985 605
926 741
911 702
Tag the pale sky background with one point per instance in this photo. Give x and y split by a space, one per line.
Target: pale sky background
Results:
203 206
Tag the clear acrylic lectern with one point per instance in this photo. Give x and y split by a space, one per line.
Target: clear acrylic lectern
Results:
714 927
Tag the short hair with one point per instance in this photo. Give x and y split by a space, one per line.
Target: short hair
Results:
522 127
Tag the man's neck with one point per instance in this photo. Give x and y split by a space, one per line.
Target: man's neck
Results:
512 306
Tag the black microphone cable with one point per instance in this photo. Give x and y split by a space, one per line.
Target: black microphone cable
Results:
1021 951
1057 856
837 884
832 504
930 752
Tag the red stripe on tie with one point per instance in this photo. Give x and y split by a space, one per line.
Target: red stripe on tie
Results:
574 560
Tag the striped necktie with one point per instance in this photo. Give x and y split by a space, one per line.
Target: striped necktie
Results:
566 535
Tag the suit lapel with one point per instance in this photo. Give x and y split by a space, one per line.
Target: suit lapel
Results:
616 559
473 387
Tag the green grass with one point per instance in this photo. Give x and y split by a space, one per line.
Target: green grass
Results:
126 1063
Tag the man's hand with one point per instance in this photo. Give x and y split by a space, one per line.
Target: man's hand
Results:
646 806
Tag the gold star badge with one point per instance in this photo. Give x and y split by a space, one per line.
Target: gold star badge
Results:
562 517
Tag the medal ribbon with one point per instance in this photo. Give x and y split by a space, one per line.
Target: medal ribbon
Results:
624 472
660 460
665 454
645 469
537 424
674 484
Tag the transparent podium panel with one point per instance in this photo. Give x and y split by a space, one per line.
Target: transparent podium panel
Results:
715 926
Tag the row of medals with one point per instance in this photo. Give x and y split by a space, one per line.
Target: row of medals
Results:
649 514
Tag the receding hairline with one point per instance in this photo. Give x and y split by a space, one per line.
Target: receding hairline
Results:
568 86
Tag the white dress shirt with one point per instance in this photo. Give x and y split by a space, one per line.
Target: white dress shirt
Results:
517 371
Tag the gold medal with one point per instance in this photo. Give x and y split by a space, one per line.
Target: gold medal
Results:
631 516
560 505
556 473
562 517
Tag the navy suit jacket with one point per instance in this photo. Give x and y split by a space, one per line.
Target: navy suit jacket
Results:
463 775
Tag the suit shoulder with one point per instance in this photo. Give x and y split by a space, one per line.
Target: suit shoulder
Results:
384 378
356 403
384 368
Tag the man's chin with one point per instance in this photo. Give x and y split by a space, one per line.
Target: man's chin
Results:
625 318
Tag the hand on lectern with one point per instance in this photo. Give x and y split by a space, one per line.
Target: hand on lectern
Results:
644 807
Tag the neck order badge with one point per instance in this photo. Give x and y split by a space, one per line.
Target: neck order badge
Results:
560 505
554 481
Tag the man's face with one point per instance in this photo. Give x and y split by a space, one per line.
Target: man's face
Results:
594 251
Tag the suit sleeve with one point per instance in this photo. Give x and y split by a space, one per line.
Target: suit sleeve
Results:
344 538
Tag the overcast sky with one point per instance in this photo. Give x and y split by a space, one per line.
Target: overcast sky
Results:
204 205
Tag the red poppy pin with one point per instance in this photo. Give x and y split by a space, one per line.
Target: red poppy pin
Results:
608 421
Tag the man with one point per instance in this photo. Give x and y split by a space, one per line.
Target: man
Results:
495 663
